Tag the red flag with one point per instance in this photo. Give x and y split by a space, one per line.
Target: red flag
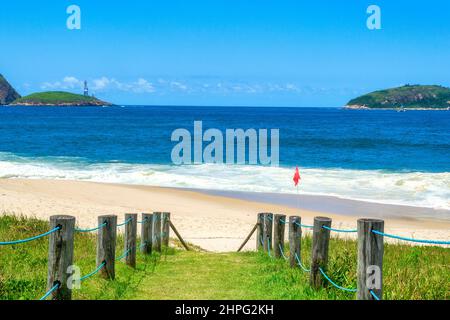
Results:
297 177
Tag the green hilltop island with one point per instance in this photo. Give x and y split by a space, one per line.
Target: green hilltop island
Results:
408 97
10 97
58 98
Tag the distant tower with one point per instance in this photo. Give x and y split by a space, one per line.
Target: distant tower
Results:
86 89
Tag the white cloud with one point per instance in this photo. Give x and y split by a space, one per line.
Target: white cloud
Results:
142 85
162 86
102 83
68 82
178 86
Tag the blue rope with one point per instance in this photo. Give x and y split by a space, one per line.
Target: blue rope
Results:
334 284
93 229
268 247
282 252
339 230
410 239
124 254
283 221
374 295
262 241
143 221
93 272
143 245
126 222
49 292
30 239
304 225
300 263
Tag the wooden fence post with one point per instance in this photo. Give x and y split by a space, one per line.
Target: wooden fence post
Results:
146 233
268 222
295 240
60 256
130 239
165 232
278 235
370 259
319 255
106 245
178 235
156 231
259 231
248 238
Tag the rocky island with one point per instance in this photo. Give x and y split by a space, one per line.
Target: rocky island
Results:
58 98
7 92
411 97
10 97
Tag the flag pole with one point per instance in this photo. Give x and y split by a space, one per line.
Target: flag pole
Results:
297 180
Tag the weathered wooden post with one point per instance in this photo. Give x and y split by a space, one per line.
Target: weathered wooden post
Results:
60 256
156 231
319 255
130 239
295 240
259 231
278 235
106 245
370 259
179 236
268 222
248 237
165 232
146 233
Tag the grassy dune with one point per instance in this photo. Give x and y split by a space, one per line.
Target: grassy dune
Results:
409 272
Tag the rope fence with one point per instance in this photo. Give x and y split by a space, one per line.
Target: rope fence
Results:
123 255
93 229
270 230
30 239
127 221
334 284
410 239
155 232
300 263
93 272
339 230
304 225
49 292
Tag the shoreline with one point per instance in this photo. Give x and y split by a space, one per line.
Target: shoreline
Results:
337 205
215 222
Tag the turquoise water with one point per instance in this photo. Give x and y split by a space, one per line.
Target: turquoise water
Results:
379 156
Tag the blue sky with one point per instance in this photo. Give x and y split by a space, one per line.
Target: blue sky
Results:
225 52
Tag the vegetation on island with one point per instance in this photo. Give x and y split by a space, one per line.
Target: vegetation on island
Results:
410 272
407 97
58 98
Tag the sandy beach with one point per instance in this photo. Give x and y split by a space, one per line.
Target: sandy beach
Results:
213 222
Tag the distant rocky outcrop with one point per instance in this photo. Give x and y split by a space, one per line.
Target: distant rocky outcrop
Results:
7 92
417 97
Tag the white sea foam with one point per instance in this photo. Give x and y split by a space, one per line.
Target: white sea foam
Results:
421 189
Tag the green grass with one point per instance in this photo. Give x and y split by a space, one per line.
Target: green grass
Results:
409 272
57 97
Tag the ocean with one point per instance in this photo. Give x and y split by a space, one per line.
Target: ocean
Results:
377 156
